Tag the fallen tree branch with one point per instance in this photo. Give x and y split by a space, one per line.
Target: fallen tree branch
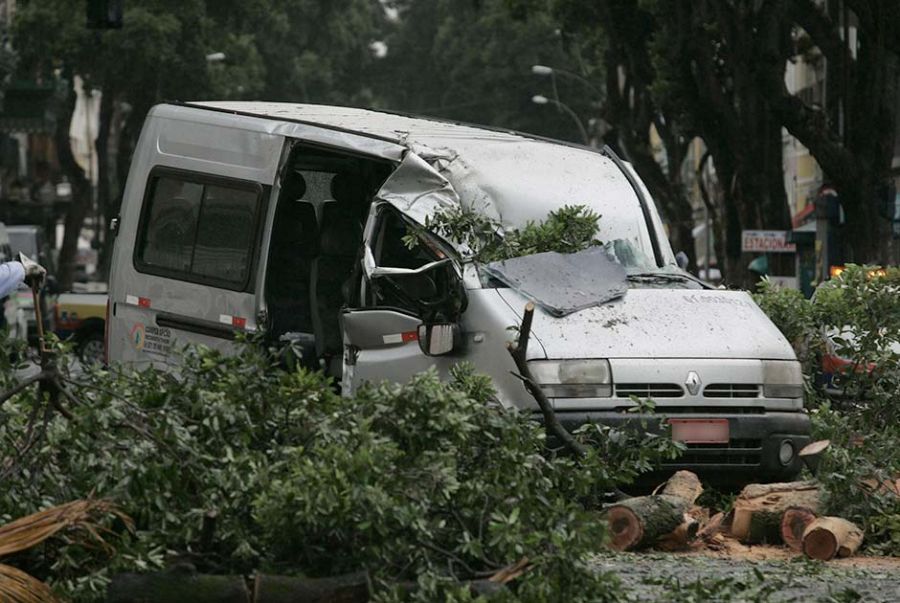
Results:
519 352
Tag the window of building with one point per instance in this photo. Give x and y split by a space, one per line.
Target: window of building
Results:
199 230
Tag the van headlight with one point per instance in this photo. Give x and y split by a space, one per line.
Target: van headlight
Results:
782 379
573 378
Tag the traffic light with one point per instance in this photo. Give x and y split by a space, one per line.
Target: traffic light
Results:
104 14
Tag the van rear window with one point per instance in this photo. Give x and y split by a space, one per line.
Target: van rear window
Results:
198 230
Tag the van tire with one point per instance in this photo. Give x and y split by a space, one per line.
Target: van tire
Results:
91 348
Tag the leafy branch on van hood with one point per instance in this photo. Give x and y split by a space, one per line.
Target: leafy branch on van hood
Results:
569 229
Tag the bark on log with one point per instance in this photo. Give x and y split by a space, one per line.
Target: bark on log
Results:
639 522
759 508
830 537
349 588
183 584
681 536
176 585
659 519
793 524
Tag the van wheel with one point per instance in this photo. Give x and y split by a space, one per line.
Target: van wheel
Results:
92 348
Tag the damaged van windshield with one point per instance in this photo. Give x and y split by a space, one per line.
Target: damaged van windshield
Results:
565 283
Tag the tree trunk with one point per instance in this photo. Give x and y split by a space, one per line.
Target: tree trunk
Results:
759 508
177 585
830 537
81 196
351 588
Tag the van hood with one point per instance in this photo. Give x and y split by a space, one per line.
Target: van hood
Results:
661 323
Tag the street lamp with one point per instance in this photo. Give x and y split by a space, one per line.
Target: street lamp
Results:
544 70
215 57
539 99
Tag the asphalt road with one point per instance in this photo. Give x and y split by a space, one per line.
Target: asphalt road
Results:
693 578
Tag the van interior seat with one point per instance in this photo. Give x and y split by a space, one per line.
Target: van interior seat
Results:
295 245
341 236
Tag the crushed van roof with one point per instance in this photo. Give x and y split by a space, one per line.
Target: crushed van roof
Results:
390 126
512 177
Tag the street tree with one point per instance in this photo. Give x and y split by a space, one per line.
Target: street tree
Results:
850 134
290 50
158 54
617 34
471 61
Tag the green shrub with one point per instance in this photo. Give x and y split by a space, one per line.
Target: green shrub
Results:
857 317
239 465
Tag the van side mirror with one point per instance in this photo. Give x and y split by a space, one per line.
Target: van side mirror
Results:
438 339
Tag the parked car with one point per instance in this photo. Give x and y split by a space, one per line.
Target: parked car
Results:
296 220
81 316
836 368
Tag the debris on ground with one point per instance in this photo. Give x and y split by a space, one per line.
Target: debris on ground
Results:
79 521
782 515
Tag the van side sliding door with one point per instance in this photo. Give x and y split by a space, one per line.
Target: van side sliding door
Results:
194 261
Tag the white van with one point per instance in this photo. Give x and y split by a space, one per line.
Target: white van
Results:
290 219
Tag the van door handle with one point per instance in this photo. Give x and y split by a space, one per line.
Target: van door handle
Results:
194 325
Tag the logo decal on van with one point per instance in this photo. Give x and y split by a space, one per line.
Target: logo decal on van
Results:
693 383
138 336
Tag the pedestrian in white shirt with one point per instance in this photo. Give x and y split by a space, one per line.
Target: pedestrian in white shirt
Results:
22 270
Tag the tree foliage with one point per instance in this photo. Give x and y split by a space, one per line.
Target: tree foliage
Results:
288 50
471 61
856 318
568 229
238 464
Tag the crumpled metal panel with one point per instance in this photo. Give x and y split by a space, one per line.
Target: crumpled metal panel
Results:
563 283
418 190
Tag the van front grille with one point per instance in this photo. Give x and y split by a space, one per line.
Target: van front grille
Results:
719 459
649 390
731 390
662 409
736 453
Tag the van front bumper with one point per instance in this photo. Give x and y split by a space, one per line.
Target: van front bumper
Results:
752 453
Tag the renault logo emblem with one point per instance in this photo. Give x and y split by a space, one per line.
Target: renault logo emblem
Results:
693 383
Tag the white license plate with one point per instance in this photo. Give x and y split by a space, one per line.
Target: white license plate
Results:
700 431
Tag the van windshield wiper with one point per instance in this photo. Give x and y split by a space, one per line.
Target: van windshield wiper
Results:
666 277
662 276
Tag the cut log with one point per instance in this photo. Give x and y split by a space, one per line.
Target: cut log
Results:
166 586
811 454
348 588
793 524
830 537
814 448
681 536
885 486
712 527
639 522
759 508
685 485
